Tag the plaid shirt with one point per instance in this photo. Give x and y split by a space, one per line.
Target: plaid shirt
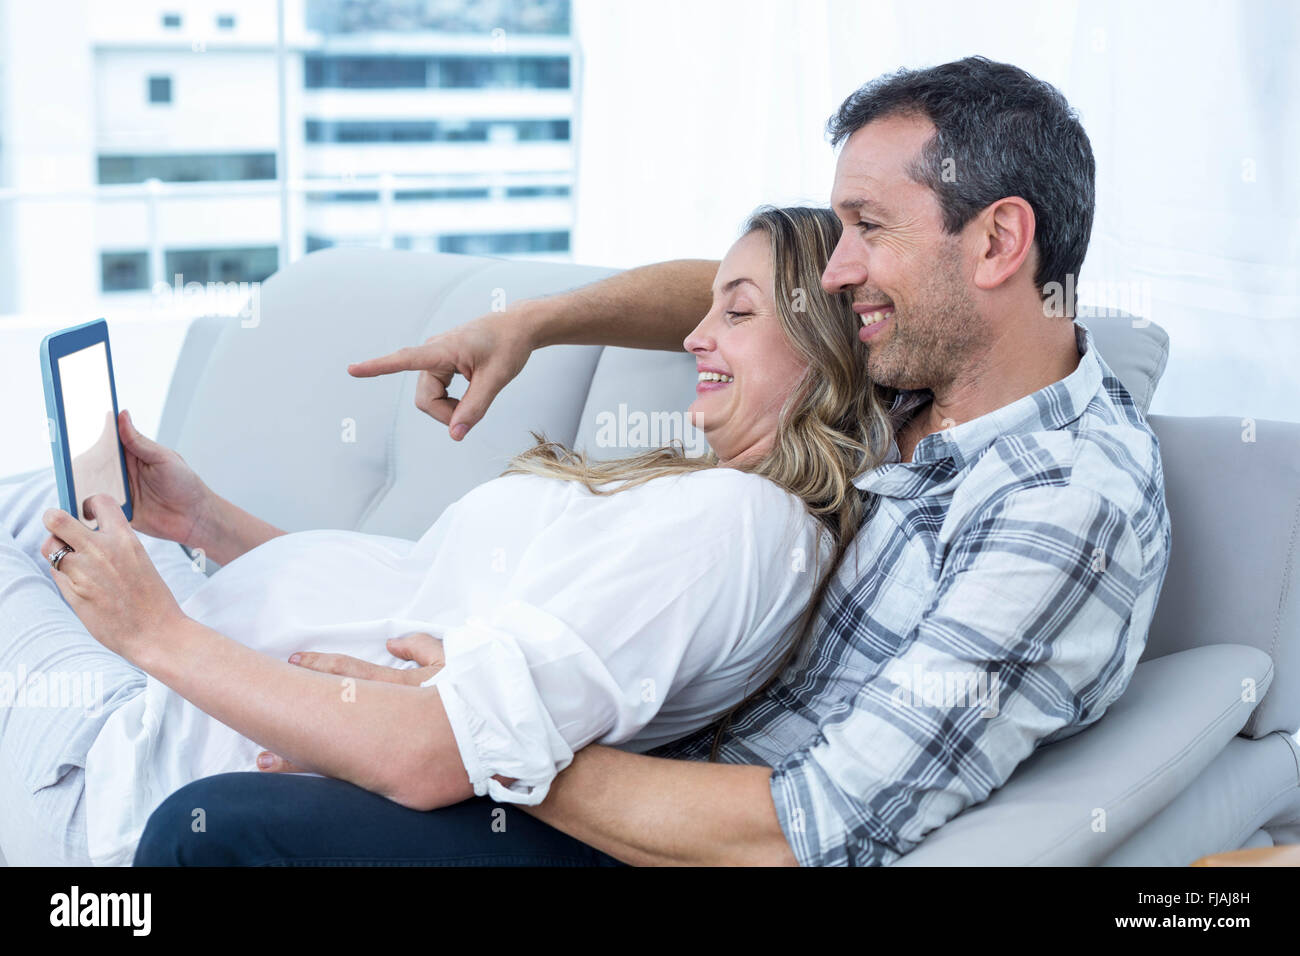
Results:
997 598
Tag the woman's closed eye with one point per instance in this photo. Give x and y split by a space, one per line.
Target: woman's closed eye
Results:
733 316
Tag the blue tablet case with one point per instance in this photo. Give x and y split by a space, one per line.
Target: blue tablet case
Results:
53 347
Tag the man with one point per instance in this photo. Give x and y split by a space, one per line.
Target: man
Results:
1014 552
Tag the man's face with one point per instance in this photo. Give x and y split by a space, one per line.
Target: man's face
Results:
911 281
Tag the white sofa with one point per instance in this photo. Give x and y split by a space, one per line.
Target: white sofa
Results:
1183 765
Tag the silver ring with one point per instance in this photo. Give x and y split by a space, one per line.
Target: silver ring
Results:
58 556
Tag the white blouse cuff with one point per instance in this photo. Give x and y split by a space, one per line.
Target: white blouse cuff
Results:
500 723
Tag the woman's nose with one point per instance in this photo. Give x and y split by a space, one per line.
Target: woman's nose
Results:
699 340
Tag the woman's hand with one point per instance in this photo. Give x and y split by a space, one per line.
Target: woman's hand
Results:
109 579
168 500
424 649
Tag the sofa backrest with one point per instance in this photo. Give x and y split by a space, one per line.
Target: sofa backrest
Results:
264 407
1232 487
268 415
265 410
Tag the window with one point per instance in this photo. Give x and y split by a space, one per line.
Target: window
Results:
123 271
322 71
542 130
364 16
511 72
222 265
500 243
360 72
187 168
343 197
429 131
171 21
160 89
427 195
392 131
225 21
535 192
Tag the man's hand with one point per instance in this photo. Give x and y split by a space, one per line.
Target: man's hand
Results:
653 307
424 649
489 352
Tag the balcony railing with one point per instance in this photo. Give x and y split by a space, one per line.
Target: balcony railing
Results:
385 193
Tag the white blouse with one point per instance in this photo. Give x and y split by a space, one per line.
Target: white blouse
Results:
630 619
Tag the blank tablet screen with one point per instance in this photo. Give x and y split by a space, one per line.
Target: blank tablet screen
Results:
91 427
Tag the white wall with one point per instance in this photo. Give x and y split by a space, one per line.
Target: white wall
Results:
48 144
223 101
692 112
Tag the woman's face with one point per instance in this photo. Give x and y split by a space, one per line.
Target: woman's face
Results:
747 367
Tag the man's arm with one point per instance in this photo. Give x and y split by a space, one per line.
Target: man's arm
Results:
648 811
1025 603
652 307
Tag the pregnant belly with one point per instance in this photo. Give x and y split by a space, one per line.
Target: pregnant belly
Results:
314 591
333 586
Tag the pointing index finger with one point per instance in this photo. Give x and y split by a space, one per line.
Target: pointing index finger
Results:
410 358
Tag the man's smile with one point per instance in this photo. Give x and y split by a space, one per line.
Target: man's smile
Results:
873 318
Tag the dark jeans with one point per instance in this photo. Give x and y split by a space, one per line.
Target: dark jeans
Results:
260 819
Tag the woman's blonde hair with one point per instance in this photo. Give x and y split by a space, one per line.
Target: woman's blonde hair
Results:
834 425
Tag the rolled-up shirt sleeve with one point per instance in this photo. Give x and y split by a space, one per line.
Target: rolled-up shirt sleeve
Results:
1027 636
630 620
501 723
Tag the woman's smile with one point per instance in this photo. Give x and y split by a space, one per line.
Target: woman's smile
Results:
712 379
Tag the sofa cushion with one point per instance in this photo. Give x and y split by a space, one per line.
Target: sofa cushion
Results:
1135 349
1252 784
637 401
1074 802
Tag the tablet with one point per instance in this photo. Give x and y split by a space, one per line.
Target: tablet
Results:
81 405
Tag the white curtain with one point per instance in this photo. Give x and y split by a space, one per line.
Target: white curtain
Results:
693 112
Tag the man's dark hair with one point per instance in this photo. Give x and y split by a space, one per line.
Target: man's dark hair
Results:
1003 133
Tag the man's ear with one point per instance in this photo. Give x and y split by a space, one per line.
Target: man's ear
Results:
1005 240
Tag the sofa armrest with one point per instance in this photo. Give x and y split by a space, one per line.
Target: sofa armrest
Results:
1075 801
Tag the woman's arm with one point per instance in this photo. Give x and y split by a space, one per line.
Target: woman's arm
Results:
389 738
224 530
392 739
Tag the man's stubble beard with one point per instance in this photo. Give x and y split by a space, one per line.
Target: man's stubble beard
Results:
936 336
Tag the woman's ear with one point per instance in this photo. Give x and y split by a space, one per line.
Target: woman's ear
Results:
1006 240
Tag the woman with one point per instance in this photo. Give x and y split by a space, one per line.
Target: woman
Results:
630 602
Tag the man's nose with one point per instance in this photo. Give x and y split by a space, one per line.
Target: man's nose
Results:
845 269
